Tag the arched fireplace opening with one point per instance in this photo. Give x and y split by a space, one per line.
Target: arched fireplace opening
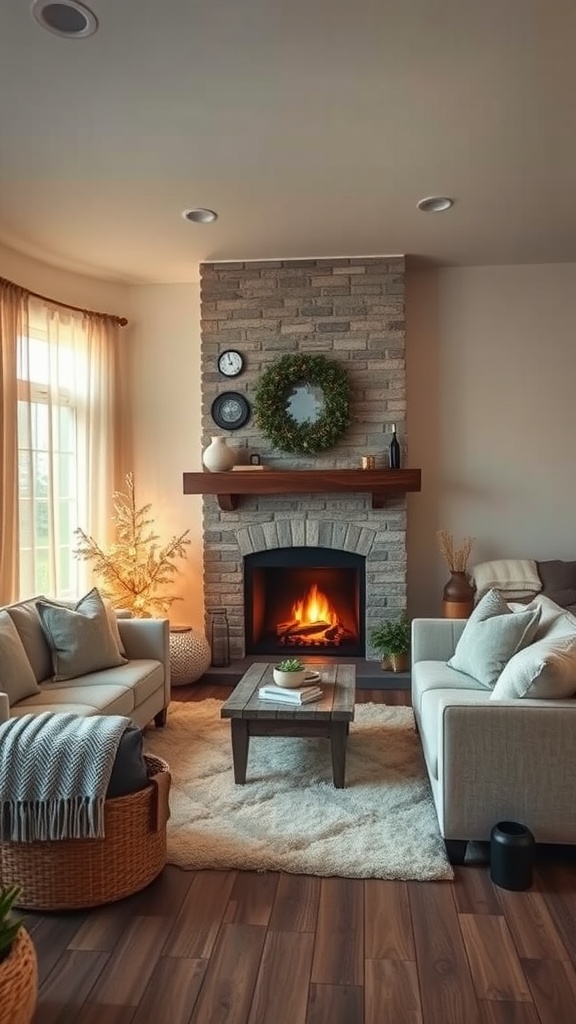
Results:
305 600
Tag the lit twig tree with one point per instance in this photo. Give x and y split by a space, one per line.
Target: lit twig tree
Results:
135 567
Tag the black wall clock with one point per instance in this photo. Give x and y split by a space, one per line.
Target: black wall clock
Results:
230 363
230 410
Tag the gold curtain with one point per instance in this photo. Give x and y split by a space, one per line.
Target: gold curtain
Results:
13 324
72 359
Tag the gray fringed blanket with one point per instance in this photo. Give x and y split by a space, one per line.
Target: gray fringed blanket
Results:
54 773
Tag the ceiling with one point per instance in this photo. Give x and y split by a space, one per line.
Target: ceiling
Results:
312 127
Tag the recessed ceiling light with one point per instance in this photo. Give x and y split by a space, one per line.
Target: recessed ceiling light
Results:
67 18
435 204
200 216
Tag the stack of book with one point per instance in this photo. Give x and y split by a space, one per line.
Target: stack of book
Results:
283 695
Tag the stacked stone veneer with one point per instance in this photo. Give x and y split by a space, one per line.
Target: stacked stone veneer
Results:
351 311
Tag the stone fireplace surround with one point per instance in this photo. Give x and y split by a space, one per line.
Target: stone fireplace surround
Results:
352 311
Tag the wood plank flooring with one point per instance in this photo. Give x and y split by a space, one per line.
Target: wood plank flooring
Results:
245 948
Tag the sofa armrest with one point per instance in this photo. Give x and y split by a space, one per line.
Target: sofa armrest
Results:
435 639
4 707
148 638
507 759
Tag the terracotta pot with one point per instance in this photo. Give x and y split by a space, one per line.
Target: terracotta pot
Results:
458 597
399 662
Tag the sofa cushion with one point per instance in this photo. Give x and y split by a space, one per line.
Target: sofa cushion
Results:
436 675
25 617
102 699
546 669
17 677
80 639
143 676
492 635
558 581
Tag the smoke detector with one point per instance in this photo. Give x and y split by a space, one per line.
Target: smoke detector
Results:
67 18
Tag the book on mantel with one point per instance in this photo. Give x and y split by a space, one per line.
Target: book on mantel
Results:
302 695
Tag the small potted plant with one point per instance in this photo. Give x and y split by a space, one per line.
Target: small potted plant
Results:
391 639
291 673
18 966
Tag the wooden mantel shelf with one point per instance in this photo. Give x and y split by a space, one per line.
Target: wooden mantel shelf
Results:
381 483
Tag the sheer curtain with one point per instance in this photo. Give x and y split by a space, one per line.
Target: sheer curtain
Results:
62 453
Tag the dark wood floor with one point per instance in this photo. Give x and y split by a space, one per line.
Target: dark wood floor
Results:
245 948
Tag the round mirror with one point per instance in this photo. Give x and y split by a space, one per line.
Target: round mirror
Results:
305 403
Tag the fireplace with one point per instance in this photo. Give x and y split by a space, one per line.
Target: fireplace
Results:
303 600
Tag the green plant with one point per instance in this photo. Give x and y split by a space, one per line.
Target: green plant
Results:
392 636
9 926
291 665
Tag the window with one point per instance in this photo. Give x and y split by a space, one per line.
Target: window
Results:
50 453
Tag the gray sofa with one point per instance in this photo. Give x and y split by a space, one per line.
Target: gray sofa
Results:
137 685
491 758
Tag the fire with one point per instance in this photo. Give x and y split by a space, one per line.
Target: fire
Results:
314 607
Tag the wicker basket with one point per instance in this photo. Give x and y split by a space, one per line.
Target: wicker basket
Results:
19 982
73 874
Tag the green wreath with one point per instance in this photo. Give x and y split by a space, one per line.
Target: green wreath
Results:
273 392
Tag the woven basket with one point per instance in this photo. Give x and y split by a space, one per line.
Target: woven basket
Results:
19 982
70 874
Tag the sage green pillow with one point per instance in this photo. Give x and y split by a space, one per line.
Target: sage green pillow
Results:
493 635
79 638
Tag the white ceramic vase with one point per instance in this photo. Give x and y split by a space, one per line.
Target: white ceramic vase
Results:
218 457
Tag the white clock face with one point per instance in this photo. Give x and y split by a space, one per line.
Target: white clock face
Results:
230 363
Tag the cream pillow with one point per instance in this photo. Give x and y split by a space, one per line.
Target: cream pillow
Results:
80 638
492 635
17 677
546 669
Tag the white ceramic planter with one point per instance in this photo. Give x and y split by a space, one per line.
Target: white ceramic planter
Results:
290 679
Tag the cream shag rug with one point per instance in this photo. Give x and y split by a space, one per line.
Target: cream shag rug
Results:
288 816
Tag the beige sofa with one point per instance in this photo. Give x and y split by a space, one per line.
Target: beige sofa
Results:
491 758
139 687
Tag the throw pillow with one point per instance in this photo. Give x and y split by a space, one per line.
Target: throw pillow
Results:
492 635
546 669
25 617
80 638
113 621
129 769
17 677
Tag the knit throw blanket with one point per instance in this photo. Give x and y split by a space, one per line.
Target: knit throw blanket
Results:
54 773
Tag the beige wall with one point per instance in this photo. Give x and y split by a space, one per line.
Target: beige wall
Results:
491 415
491 355
165 370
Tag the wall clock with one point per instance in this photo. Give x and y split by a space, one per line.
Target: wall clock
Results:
230 363
230 410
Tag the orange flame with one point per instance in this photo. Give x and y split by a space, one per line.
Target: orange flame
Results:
314 607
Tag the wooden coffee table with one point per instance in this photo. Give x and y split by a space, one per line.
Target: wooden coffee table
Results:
329 718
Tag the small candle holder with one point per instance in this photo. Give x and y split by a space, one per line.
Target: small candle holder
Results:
368 462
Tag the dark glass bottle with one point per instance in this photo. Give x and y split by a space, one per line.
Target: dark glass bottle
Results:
394 450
